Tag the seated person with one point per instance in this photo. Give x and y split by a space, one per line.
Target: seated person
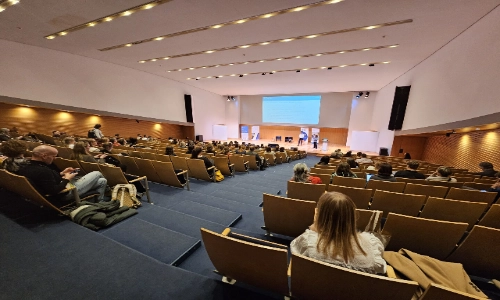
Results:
190 149
48 180
301 174
352 163
56 133
210 149
364 159
114 141
169 150
282 150
496 187
13 150
486 169
4 134
348 154
407 156
208 162
411 171
334 238
241 150
69 142
182 144
324 160
93 146
261 161
384 173
337 154
442 174
344 170
80 153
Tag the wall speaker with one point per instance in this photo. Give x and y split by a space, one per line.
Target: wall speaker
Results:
199 138
399 107
189 108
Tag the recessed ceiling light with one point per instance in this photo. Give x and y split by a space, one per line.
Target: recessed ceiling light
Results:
319 54
268 15
363 64
149 6
63 33
179 70
261 60
371 27
245 63
366 49
393 46
280 59
159 38
108 19
299 8
323 67
231 64
217 26
210 51
312 36
217 66
189 79
128 45
143 61
241 21
286 40
342 66
127 13
305 69
386 62
50 37
245 46
342 52
298 56
232 75
154 59
191 68
165 58
265 43
92 24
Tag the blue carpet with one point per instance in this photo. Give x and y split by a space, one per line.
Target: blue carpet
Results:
206 212
166 246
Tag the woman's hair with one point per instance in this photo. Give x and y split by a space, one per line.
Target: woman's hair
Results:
210 148
358 154
300 172
325 159
196 152
79 151
268 149
13 148
348 154
385 169
343 170
486 165
282 149
335 223
444 171
351 162
97 126
169 150
407 156
190 149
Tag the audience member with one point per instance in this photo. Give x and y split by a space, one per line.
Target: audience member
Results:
241 150
208 162
496 188
56 133
210 149
337 154
69 142
260 160
170 151
93 148
384 173
98 132
4 134
486 169
352 163
301 174
182 144
344 170
80 153
48 180
334 238
364 159
407 156
348 154
442 174
411 171
190 149
324 160
13 150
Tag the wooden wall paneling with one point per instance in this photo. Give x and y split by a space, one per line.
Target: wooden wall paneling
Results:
411 144
43 120
465 150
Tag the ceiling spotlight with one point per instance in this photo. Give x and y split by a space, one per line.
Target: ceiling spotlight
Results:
241 75
297 71
371 65
197 78
216 77
264 73
367 94
228 98
359 95
272 72
329 68
233 98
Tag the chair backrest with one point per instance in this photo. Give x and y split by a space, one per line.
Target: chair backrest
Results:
471 195
325 179
221 163
166 172
464 178
478 253
198 169
364 216
149 155
405 204
113 175
163 158
492 217
439 292
261 266
444 183
89 167
239 163
270 159
396 187
428 190
252 161
328 171
477 186
147 169
287 216
64 152
427 237
360 196
485 180
179 163
314 279
136 154
453 210
305 191
62 164
129 162
350 182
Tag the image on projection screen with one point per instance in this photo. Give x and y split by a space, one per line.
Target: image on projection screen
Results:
291 109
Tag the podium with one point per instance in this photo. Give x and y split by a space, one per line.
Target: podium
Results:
324 146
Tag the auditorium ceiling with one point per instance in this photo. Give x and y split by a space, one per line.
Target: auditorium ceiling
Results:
331 42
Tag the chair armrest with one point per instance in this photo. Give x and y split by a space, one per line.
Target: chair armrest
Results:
226 231
390 272
231 165
72 187
289 271
183 172
212 167
138 179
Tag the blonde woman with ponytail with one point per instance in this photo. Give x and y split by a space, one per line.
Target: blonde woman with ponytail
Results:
333 237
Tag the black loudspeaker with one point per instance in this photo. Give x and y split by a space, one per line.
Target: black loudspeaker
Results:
399 107
199 138
189 108
383 152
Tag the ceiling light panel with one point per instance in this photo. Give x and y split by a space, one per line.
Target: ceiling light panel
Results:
292 70
285 40
7 3
124 13
233 22
283 58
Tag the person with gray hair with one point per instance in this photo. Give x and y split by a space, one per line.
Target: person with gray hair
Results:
301 174
48 180
4 134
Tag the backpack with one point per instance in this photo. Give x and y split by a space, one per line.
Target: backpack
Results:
126 194
91 134
218 176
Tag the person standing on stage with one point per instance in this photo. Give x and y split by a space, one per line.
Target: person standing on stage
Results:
301 138
314 139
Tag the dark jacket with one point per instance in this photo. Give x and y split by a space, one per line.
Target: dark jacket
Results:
383 177
488 173
409 174
44 178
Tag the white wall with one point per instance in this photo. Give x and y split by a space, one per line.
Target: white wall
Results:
39 74
233 118
456 83
335 110
361 114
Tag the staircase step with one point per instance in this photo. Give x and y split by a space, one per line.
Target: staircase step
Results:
206 212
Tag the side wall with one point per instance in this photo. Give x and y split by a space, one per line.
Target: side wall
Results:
455 83
33 73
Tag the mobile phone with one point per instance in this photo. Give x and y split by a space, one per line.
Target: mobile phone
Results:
75 171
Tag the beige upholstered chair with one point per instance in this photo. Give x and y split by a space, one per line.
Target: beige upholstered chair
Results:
305 191
199 171
350 182
168 175
453 210
422 189
471 195
396 187
492 217
221 163
360 196
398 203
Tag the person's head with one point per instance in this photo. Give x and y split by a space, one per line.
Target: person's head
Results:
107 146
359 154
79 150
351 162
363 155
300 172
210 148
44 154
190 148
4 131
413 164
335 222
282 149
444 171
407 156
486 165
348 154
268 149
112 140
121 142
56 133
325 160
196 152
252 148
385 169
344 170
132 141
13 148
169 150
97 126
